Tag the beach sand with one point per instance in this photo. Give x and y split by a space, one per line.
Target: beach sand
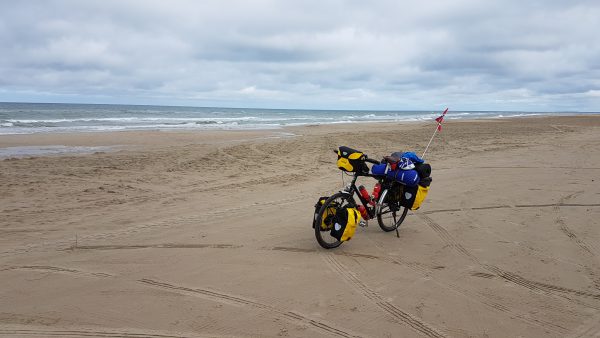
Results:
208 234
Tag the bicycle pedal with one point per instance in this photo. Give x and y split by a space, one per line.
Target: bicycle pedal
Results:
363 223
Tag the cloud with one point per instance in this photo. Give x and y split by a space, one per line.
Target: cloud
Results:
537 55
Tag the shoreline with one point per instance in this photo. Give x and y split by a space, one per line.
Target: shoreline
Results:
131 139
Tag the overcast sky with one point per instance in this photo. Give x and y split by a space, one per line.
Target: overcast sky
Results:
400 55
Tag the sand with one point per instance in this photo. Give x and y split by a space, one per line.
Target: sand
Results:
197 234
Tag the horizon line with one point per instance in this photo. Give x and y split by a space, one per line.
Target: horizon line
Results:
304 109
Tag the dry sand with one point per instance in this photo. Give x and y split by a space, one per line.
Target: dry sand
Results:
209 235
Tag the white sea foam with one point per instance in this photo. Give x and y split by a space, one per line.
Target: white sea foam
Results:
48 118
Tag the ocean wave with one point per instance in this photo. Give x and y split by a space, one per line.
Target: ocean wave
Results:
133 119
147 127
52 118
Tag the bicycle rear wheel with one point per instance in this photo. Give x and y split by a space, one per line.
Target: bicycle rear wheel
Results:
327 218
390 214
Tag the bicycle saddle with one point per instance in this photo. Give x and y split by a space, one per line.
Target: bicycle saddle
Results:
391 159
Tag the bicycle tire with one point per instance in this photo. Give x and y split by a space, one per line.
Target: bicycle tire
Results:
335 201
388 206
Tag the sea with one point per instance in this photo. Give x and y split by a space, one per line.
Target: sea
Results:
33 118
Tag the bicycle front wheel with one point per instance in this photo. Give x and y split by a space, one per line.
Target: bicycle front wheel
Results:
326 219
390 214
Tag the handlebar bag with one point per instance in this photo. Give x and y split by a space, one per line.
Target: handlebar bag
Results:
351 160
345 222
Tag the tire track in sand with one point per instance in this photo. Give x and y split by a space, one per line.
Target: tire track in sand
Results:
562 225
57 269
426 271
478 297
156 246
236 300
89 333
516 206
543 288
396 313
348 254
220 297
586 331
131 230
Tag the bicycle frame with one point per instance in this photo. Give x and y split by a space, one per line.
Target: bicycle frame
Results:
351 189
386 186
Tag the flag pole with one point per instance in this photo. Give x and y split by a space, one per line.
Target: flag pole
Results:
437 128
431 139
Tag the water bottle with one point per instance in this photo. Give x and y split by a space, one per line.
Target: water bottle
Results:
363 212
376 191
364 193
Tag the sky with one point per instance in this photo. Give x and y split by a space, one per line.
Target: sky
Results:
373 55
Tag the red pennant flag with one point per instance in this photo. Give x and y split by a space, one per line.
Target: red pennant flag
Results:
440 119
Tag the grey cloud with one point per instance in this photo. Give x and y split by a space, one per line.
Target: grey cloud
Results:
384 54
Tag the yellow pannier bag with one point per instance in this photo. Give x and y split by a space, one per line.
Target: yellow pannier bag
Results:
328 214
351 160
344 227
421 194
